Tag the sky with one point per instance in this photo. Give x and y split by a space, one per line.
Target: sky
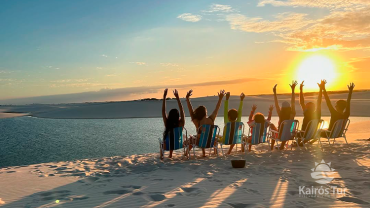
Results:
89 50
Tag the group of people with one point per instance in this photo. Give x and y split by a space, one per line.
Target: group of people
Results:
287 111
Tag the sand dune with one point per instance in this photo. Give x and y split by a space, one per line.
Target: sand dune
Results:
271 179
145 109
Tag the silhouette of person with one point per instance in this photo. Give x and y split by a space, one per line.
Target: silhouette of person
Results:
172 120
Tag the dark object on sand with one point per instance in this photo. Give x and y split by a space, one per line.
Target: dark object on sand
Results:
368 139
238 163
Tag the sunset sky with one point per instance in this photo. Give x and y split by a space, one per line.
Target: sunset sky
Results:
123 50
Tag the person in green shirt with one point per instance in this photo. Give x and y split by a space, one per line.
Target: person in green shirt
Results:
232 115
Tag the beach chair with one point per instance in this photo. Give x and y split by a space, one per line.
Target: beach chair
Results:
255 134
208 138
339 130
175 140
287 131
312 131
233 133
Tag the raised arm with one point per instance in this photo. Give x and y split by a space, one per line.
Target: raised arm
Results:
327 99
348 108
254 107
164 115
226 108
276 101
301 97
190 107
182 113
292 102
319 98
218 105
270 112
240 109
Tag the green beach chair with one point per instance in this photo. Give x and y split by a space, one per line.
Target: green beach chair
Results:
233 134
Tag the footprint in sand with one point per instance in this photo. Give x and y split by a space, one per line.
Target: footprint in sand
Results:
131 186
240 205
51 195
157 197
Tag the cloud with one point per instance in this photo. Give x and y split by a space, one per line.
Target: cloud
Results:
361 64
106 94
220 8
169 65
103 55
317 3
139 63
283 22
188 17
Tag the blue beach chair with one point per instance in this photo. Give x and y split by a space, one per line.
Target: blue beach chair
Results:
287 131
208 138
311 132
255 135
175 140
233 133
339 130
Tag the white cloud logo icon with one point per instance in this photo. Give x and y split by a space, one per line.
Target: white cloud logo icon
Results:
322 173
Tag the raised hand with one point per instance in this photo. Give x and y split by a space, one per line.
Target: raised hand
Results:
165 93
190 93
242 96
301 86
351 86
176 94
254 107
221 94
322 84
271 108
227 95
293 85
274 89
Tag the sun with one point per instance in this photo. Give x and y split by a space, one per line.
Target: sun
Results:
315 68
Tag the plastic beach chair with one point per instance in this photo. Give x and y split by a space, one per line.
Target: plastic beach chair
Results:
255 134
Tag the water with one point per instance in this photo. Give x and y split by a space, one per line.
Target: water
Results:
29 140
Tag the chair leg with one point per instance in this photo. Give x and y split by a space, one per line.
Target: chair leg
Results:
345 139
320 144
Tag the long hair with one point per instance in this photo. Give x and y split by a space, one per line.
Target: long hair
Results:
285 114
173 120
260 118
200 112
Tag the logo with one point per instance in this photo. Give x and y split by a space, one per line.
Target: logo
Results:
322 172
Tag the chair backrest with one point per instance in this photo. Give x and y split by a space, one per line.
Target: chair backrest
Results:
312 129
288 129
175 139
340 128
209 134
256 133
233 133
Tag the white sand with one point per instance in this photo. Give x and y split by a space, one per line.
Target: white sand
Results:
146 109
271 179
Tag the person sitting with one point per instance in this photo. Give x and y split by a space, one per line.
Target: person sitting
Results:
287 112
257 118
199 116
232 115
342 109
310 111
172 120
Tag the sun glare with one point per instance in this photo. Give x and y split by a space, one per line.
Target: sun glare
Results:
315 68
